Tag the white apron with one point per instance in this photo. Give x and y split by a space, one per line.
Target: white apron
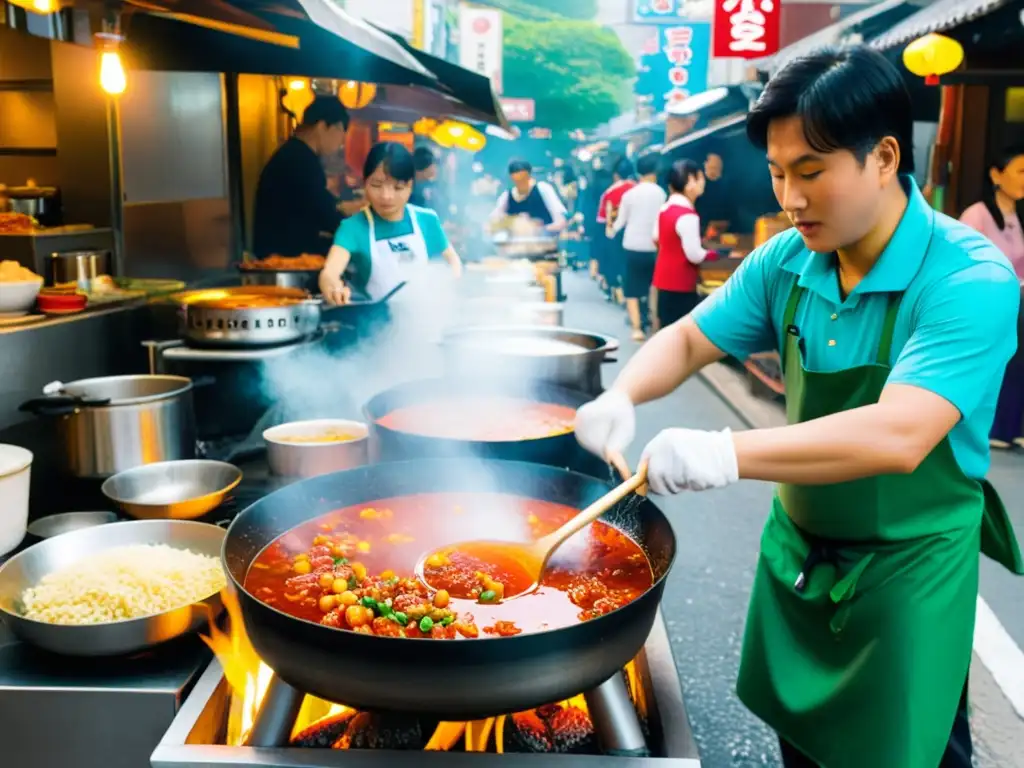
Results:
394 260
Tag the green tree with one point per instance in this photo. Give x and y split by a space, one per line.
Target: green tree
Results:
577 72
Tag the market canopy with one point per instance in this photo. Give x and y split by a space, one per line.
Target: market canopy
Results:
942 16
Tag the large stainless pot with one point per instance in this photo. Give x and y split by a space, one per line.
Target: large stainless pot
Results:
304 279
247 316
561 356
111 424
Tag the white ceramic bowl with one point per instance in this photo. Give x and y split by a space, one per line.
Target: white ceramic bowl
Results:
15 471
289 459
18 298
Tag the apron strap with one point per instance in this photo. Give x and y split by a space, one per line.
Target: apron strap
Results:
795 294
888 326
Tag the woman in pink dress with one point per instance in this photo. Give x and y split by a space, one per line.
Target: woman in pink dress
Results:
998 216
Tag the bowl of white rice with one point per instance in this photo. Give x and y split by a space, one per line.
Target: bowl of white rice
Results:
114 589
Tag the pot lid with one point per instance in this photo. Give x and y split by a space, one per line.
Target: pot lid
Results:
25 193
123 390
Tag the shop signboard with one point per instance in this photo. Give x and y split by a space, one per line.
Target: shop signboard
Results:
658 11
519 110
675 63
746 29
480 42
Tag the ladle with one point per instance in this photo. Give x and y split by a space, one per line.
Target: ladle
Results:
533 557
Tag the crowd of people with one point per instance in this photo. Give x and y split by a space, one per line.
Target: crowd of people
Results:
647 242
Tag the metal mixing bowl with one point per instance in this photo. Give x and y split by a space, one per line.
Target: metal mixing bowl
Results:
55 525
176 490
117 637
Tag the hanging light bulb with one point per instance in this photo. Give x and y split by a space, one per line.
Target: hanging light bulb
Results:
44 6
113 79
296 84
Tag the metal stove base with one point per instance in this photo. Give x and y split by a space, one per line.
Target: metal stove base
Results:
188 742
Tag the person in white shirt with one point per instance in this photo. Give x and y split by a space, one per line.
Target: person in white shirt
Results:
528 197
637 218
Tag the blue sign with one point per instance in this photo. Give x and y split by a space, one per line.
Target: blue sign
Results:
674 65
658 11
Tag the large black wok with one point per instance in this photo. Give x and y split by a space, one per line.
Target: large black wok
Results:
451 679
555 451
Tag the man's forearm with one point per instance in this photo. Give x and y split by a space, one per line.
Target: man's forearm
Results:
664 362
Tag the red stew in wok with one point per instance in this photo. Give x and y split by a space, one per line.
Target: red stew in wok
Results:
482 418
354 569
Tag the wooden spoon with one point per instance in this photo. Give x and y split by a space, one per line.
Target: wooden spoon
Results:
533 557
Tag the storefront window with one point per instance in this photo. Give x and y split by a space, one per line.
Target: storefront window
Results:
1015 105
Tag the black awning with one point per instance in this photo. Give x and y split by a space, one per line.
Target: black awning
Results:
472 90
940 16
724 128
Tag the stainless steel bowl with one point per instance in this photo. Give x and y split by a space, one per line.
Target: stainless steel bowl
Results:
55 525
176 490
117 637
297 459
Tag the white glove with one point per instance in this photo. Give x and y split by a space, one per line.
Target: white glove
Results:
606 425
690 460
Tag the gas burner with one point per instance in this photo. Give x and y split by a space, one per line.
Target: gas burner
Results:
636 718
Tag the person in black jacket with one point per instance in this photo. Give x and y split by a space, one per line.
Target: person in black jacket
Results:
295 213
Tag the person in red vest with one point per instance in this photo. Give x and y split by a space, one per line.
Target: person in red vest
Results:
677 234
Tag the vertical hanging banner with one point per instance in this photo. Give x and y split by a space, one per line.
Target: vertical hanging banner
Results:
675 63
481 48
746 29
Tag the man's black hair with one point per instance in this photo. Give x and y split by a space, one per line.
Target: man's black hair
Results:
847 98
623 168
648 164
327 109
423 158
396 159
518 166
680 173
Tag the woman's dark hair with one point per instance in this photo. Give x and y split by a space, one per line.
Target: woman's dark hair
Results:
623 168
846 98
568 174
648 164
681 172
988 195
518 166
396 159
423 158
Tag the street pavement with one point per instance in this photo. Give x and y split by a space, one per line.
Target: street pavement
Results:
718 534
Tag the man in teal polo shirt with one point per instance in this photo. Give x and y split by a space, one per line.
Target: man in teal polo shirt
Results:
894 324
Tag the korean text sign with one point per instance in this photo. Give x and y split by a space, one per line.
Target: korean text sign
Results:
678 67
746 29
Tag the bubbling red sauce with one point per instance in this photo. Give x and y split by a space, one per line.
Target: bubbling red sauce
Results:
354 569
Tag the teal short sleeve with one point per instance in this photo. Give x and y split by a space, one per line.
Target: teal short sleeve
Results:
433 233
963 335
353 235
736 318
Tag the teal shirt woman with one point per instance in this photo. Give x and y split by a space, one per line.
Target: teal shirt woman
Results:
388 241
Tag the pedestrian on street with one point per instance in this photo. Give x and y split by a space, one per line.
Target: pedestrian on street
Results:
894 324
998 217
612 265
680 252
637 217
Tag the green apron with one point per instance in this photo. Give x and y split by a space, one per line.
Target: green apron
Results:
858 640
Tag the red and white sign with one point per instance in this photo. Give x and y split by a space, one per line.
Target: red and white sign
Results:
746 29
481 48
519 110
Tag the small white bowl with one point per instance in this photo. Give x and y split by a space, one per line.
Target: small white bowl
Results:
288 459
18 298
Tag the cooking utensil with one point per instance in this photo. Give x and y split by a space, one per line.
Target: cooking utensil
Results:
247 316
309 459
15 474
304 279
55 525
559 356
176 490
113 423
533 557
395 445
78 269
41 203
118 637
453 680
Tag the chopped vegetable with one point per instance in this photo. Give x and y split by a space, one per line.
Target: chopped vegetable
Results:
488 596
426 624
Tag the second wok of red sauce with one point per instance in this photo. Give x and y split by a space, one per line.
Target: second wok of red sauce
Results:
482 418
354 569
